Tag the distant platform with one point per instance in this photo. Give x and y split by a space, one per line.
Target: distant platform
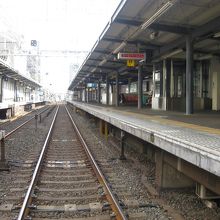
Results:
10 109
193 138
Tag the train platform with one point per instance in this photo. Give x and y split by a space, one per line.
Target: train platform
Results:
193 138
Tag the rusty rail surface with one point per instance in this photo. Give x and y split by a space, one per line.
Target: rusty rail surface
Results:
28 196
24 123
110 196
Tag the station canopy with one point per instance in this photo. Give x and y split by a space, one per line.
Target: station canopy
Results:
156 27
10 72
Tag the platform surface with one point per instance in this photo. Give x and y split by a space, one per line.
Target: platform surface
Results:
194 138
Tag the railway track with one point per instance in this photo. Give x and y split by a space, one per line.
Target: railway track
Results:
22 145
65 182
11 127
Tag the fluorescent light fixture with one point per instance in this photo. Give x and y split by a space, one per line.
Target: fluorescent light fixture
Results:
217 35
93 70
102 62
172 53
205 57
120 47
157 14
175 52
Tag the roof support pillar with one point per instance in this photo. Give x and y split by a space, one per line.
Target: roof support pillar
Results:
85 94
140 84
189 75
99 92
1 89
129 85
107 90
15 91
117 89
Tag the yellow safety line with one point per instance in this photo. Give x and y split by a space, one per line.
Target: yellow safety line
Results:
172 122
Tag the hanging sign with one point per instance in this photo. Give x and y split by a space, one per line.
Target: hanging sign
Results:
131 63
132 56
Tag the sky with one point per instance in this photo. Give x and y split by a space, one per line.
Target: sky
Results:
57 25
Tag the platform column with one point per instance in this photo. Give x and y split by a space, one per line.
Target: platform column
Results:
189 75
15 92
129 85
1 89
85 95
171 80
88 95
106 130
99 92
168 76
101 126
122 156
80 95
215 84
140 83
117 89
107 90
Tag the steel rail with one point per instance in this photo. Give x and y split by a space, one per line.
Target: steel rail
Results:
28 199
24 123
110 196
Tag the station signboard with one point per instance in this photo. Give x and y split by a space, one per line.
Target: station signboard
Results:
91 85
132 56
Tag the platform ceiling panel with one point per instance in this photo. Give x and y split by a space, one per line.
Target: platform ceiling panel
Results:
132 8
115 29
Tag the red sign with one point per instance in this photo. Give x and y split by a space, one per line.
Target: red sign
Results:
131 56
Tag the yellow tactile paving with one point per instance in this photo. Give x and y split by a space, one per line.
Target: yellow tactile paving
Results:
170 122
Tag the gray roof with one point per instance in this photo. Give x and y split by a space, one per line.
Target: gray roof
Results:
156 27
10 72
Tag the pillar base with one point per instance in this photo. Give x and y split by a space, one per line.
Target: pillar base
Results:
172 178
168 177
4 166
122 157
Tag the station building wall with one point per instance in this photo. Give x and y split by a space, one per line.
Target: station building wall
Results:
169 85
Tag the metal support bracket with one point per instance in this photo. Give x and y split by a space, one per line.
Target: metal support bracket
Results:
3 163
122 156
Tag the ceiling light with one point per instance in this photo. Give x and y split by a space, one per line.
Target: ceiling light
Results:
93 70
217 35
154 34
102 62
158 13
175 52
120 47
205 57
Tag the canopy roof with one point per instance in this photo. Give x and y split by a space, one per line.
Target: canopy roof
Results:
156 27
10 72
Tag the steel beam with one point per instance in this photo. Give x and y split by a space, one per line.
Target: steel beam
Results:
147 46
155 26
210 26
